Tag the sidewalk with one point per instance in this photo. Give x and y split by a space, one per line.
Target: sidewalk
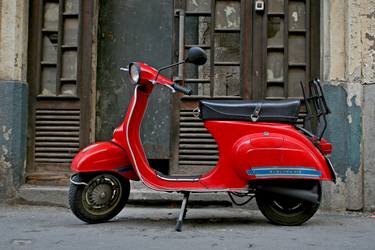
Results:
32 227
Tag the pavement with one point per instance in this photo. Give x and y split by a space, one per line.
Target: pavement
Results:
43 227
58 196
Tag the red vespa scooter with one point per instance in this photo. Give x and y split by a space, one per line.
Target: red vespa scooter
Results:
262 154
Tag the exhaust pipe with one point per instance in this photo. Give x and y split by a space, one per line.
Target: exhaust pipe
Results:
300 194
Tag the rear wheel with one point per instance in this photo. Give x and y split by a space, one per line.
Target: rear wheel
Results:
101 199
287 211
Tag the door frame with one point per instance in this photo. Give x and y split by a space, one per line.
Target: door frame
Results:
86 76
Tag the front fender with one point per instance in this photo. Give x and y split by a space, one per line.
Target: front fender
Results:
104 157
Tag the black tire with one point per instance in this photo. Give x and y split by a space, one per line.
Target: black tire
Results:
104 196
286 211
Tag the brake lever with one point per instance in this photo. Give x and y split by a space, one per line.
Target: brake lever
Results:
124 69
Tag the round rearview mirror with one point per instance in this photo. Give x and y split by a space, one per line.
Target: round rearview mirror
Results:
196 56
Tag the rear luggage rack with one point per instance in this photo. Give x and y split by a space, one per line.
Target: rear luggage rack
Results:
316 107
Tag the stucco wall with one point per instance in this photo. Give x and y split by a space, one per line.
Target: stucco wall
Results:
13 95
13 117
13 42
348 64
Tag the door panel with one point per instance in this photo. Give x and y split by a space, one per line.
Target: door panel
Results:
288 48
134 30
59 83
252 54
214 26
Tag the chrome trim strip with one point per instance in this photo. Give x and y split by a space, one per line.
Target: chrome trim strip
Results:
284 171
127 136
76 182
177 179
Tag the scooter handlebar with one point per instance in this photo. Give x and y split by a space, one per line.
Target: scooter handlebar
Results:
181 89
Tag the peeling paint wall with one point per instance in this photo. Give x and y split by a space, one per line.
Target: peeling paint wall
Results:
345 133
13 95
13 117
369 148
348 61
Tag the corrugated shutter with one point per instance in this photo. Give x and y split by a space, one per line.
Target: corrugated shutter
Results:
198 151
56 135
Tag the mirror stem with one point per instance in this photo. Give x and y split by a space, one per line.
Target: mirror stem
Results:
167 67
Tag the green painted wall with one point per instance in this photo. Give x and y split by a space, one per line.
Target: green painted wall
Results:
344 130
13 124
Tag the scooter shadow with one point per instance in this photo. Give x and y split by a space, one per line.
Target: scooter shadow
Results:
203 221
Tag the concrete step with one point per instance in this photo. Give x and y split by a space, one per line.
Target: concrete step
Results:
139 194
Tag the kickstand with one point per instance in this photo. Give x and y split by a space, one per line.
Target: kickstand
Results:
183 211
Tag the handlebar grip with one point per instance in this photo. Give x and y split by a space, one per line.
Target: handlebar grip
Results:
181 89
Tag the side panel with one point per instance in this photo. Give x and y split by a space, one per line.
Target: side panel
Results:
245 148
104 156
271 155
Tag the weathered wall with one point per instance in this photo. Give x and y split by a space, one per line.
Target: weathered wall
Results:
13 42
143 34
13 117
368 72
347 65
13 95
369 147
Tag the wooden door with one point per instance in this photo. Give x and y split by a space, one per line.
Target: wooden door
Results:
134 30
254 53
60 87
216 27
285 48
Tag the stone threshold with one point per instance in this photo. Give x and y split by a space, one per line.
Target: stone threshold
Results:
139 194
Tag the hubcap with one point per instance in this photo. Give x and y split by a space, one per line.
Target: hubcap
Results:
102 194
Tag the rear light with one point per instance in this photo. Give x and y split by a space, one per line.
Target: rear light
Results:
325 146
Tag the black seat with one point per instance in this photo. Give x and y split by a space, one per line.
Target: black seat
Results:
284 111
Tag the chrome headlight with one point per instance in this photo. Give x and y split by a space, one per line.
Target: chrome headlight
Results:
134 72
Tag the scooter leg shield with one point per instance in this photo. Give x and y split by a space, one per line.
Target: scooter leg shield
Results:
104 157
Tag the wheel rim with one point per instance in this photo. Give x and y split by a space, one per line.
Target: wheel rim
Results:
292 207
102 194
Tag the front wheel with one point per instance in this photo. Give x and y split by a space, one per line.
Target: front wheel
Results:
101 199
286 211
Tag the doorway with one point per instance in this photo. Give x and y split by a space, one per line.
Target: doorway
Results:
60 78
257 49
